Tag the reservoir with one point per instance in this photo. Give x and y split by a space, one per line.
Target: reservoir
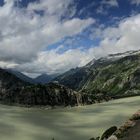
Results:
77 123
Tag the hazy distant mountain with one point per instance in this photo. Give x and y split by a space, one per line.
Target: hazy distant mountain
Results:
21 76
9 81
44 78
115 75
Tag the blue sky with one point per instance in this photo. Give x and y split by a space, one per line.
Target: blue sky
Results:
53 36
110 16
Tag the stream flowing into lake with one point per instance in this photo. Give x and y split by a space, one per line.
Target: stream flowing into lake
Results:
77 123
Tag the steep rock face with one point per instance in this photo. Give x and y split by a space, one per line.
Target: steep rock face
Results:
15 91
10 81
114 75
51 94
120 77
75 78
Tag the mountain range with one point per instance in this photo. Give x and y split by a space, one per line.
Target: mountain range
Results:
113 76
41 79
15 91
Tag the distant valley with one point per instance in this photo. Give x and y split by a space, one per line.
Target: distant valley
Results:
41 79
114 76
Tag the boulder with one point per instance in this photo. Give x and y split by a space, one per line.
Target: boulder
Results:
127 125
95 138
113 137
92 139
136 116
108 133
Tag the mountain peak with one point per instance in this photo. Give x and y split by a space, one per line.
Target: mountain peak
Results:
113 57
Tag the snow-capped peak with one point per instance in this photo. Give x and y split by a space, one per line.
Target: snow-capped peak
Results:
113 57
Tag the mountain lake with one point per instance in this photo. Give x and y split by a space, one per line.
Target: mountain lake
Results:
77 123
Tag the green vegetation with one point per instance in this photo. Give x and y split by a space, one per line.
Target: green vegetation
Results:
117 78
102 80
108 76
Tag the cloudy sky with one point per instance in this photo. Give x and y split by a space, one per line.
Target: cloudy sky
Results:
53 36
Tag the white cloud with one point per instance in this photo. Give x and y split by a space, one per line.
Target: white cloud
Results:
122 38
105 5
112 3
101 10
137 2
54 62
54 7
24 34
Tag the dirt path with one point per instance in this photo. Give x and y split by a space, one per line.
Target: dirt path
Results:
133 133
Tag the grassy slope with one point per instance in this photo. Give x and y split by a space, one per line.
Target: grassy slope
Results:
119 77
115 77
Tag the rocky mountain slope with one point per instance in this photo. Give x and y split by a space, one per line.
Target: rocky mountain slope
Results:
51 94
75 78
15 91
9 81
21 76
114 75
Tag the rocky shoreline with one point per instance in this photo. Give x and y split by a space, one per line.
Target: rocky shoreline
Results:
125 131
128 131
